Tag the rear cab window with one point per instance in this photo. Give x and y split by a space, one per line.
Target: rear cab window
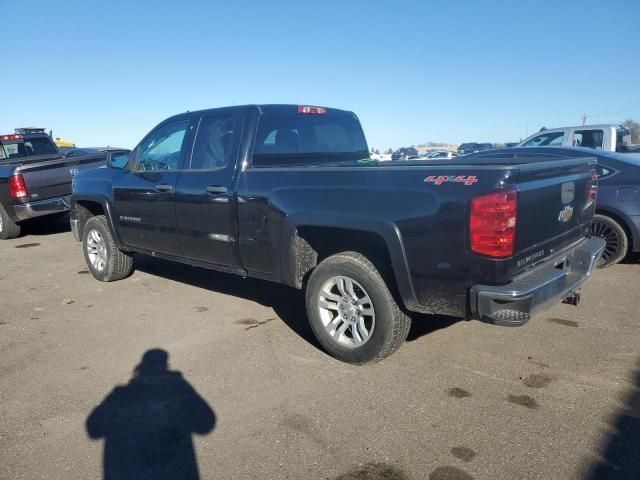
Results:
27 147
292 138
602 171
623 139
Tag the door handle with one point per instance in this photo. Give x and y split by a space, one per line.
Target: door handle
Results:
164 187
216 189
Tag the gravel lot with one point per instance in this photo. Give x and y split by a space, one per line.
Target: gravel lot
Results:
556 399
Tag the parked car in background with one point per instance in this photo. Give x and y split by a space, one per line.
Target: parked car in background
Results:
617 217
289 194
78 152
611 138
472 147
35 179
441 155
82 151
404 153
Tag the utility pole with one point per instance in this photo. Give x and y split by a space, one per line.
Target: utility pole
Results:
584 119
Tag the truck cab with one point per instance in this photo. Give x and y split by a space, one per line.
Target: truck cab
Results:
612 138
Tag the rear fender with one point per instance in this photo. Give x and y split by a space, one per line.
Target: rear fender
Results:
387 231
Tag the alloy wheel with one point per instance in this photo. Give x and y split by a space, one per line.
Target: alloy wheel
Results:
346 311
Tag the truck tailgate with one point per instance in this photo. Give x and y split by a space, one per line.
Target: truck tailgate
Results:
52 178
554 207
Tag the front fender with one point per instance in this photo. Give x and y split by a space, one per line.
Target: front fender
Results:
108 212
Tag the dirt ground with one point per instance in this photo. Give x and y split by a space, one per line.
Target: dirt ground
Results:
188 373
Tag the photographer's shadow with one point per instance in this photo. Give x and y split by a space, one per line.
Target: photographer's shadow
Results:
147 424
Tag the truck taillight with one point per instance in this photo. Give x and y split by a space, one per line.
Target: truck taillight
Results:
5 138
17 187
593 190
308 110
493 224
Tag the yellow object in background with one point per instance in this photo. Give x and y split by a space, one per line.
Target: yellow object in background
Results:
64 143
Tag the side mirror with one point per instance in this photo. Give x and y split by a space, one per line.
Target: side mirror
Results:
117 160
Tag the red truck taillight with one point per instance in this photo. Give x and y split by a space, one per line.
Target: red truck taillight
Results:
17 187
592 191
493 224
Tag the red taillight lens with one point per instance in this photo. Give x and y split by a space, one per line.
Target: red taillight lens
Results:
593 190
17 187
4 138
493 224
307 110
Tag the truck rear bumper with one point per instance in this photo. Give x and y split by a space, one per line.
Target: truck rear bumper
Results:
537 289
25 211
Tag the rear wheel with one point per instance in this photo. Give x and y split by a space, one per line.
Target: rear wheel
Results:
352 311
615 237
105 260
8 228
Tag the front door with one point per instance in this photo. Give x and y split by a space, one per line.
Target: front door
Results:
203 192
144 196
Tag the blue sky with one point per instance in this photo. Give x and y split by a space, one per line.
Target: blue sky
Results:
104 73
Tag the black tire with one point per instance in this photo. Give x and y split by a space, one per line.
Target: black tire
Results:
117 264
617 241
8 228
391 325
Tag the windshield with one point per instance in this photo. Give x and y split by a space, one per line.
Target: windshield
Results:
26 147
294 139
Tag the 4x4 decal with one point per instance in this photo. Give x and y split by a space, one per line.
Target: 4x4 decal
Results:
439 180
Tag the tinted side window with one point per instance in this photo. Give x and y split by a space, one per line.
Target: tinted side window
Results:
603 171
284 138
546 139
588 138
213 142
161 149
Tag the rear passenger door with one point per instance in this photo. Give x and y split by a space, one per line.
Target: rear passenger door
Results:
204 192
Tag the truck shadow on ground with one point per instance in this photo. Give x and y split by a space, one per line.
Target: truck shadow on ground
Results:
287 303
619 455
147 424
47 225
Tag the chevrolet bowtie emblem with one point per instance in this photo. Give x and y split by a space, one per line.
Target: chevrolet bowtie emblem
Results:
565 214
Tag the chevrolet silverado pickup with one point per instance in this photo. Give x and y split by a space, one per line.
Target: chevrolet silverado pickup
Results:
289 194
35 179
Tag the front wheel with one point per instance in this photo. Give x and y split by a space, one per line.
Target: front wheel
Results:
352 311
105 260
615 237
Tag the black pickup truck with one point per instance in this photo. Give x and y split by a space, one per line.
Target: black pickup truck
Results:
289 194
35 179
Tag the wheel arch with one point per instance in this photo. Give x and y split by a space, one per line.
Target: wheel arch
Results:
86 207
309 238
